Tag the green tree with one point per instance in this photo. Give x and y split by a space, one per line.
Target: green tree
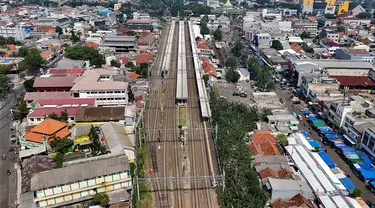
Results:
64 116
356 193
204 20
204 29
231 63
237 48
232 75
61 145
205 79
130 94
131 33
5 69
316 148
341 29
264 81
115 63
59 160
305 35
276 44
130 64
11 40
101 199
283 139
85 53
22 52
218 35
75 37
5 85
22 109
59 30
28 85
33 60
253 67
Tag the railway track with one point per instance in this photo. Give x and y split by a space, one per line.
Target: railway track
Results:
203 195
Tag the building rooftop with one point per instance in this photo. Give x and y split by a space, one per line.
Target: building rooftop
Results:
352 81
116 137
46 95
72 102
47 129
90 81
287 185
338 64
41 112
66 63
74 173
32 166
54 81
66 71
355 52
100 114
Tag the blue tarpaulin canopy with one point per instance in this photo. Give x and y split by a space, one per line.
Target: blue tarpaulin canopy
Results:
314 143
367 163
307 111
340 145
330 137
326 130
367 174
327 159
312 118
372 183
347 150
305 134
347 183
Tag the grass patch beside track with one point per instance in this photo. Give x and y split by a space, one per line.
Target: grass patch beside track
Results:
182 115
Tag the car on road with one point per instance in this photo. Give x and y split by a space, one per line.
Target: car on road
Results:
236 93
243 94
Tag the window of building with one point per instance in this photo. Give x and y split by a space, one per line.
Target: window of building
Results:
88 92
366 137
31 119
371 144
38 119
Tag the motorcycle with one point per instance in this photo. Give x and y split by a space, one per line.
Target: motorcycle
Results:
4 157
8 172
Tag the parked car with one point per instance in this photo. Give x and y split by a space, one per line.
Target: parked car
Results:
236 93
243 94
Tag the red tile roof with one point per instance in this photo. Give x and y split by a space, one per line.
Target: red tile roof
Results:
352 81
66 71
268 173
209 69
92 45
297 201
267 148
124 59
261 138
54 81
47 128
46 54
12 47
134 75
143 58
203 46
46 95
68 101
204 59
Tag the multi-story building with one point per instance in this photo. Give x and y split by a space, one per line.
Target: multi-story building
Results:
368 141
213 3
118 44
99 84
307 6
354 54
17 32
314 85
305 26
343 8
70 184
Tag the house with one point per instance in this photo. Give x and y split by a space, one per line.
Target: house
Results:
134 76
46 130
263 148
47 55
284 189
38 115
296 201
209 69
99 84
70 184
283 123
117 140
281 174
101 115
146 40
144 57
54 84
91 44
30 97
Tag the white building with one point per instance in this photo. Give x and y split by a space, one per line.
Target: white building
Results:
17 32
99 84
271 13
213 3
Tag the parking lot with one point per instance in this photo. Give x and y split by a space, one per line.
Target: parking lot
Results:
227 89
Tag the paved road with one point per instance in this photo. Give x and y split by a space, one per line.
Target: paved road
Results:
8 184
367 195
